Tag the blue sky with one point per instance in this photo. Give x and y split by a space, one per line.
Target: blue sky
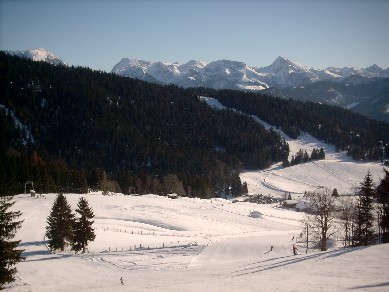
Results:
97 34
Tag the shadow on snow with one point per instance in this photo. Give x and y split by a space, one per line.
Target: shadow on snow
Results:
266 265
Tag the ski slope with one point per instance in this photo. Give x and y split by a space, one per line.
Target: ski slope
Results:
337 171
188 244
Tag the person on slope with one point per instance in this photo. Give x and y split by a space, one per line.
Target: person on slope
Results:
294 249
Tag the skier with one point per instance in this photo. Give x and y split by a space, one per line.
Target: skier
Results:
271 248
121 281
295 249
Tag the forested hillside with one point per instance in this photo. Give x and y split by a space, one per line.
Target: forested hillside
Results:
361 137
72 128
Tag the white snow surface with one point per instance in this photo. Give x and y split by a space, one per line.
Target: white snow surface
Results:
189 244
38 54
338 170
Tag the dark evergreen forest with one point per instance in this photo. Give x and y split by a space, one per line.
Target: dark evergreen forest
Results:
69 129
361 137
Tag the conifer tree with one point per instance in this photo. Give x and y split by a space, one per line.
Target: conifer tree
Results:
321 154
364 232
383 198
83 230
60 222
314 154
9 255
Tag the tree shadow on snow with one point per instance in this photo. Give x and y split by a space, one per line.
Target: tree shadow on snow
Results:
370 286
48 256
283 261
32 243
28 254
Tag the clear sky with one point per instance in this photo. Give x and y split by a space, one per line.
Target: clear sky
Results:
97 34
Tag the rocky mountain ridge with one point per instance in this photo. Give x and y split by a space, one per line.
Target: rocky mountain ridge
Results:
282 73
38 54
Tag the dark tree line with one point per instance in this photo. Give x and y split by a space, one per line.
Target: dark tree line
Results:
62 126
361 137
303 156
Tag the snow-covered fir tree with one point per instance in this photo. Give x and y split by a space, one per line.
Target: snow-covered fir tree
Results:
83 230
60 222
363 225
9 254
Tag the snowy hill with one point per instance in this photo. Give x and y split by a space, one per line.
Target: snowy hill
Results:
188 244
337 171
38 54
237 75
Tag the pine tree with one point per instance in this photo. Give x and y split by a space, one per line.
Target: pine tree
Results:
364 232
314 154
245 189
9 255
321 154
60 224
383 198
83 230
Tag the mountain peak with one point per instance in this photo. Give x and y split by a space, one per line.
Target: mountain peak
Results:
218 74
282 59
38 54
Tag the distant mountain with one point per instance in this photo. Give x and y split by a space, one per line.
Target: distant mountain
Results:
368 96
38 54
71 128
344 87
219 74
225 74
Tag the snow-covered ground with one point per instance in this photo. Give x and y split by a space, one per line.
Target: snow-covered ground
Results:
337 171
189 244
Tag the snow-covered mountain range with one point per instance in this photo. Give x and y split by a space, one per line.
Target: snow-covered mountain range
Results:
355 89
281 73
38 54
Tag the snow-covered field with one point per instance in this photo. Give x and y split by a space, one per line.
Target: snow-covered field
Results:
337 171
189 244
